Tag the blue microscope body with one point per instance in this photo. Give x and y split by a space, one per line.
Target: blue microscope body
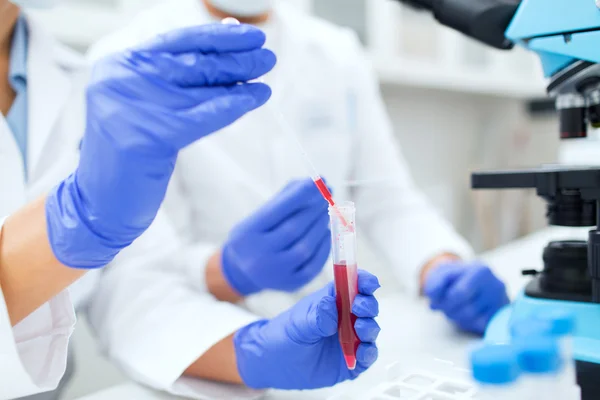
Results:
566 36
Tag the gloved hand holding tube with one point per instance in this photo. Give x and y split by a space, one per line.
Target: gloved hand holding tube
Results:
143 107
469 294
282 246
300 348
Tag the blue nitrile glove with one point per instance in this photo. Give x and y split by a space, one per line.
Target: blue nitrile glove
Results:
468 293
282 246
143 106
300 349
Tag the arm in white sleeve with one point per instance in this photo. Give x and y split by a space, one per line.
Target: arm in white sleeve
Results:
398 220
33 354
154 323
193 255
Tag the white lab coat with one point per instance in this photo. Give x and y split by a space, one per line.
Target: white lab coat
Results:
328 92
33 353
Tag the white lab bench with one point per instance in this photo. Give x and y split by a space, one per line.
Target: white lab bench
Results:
410 332
408 329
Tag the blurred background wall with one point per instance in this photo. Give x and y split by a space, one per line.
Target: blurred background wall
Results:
456 106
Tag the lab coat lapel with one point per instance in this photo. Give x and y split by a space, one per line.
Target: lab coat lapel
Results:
12 182
48 90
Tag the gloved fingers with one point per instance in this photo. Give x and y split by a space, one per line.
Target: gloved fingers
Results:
469 310
330 289
307 247
175 98
456 302
440 278
315 265
296 196
480 324
319 322
298 227
365 306
367 282
484 305
218 113
471 284
475 322
367 329
477 280
201 70
475 315
209 38
366 355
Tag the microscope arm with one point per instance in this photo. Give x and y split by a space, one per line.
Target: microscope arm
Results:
484 20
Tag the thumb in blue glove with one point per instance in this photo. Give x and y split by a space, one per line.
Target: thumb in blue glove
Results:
300 349
282 246
469 294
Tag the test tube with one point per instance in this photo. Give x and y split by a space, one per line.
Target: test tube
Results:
343 237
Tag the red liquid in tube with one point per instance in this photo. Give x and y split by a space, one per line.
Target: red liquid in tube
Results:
346 288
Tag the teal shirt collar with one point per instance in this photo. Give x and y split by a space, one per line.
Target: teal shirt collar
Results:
17 72
17 78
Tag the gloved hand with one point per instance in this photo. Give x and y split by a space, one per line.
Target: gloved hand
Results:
300 349
143 106
468 293
283 245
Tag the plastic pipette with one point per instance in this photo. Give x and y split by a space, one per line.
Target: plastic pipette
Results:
315 176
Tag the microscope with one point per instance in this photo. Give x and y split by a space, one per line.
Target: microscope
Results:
566 36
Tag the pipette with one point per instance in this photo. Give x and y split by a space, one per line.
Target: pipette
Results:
315 176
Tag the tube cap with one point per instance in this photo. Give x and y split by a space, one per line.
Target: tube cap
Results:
495 365
531 327
562 322
538 355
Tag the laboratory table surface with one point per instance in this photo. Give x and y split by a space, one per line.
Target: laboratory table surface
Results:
411 334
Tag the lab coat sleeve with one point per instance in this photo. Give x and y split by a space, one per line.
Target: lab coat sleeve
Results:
194 254
33 354
398 220
154 323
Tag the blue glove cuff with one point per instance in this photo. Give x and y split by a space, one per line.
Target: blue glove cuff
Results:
249 355
72 239
235 278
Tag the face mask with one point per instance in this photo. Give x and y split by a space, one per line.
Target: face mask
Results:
35 3
242 8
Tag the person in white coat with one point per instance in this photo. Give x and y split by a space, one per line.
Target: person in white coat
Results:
74 190
246 239
108 152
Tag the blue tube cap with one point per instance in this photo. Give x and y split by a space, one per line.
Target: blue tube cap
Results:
495 365
562 322
538 355
531 328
